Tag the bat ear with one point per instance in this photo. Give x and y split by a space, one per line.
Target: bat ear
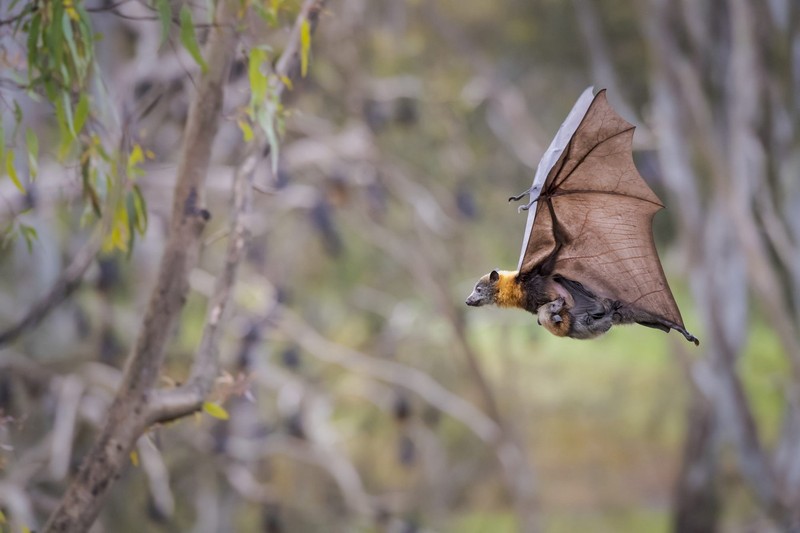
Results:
494 276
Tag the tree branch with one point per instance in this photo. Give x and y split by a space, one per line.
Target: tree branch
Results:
170 404
391 372
66 284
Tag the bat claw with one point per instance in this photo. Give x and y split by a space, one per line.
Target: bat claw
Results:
689 336
525 207
521 195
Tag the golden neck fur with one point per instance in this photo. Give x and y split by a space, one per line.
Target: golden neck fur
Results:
509 290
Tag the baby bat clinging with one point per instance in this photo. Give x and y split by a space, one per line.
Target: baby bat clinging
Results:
588 259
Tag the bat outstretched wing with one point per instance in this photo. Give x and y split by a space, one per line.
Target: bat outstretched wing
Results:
593 219
549 160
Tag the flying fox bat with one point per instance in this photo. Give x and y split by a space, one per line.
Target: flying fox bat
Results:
588 259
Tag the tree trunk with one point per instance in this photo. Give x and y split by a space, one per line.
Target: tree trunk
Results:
697 507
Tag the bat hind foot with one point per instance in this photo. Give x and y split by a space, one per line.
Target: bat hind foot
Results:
689 336
519 197
682 330
665 326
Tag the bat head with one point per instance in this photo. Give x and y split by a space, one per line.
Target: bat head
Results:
498 287
555 317
485 291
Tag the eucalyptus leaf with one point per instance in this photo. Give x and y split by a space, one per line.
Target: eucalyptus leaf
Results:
189 39
165 16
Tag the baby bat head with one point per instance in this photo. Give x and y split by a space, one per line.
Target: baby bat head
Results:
555 317
485 291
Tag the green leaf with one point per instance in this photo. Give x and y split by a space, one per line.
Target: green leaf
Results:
17 112
165 15
258 80
130 208
136 156
69 115
66 22
139 210
81 112
53 38
33 152
88 174
119 237
189 39
30 235
247 131
266 120
215 410
61 119
34 33
67 108
9 235
12 172
305 46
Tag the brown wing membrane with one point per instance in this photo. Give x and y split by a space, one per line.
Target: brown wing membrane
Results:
594 218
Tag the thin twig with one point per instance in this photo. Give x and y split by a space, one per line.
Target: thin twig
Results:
30 8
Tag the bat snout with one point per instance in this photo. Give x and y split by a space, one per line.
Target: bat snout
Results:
474 300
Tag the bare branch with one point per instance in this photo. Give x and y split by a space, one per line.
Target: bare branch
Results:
71 390
30 8
340 468
403 376
170 404
157 476
66 284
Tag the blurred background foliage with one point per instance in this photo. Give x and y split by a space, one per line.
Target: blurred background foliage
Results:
415 123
